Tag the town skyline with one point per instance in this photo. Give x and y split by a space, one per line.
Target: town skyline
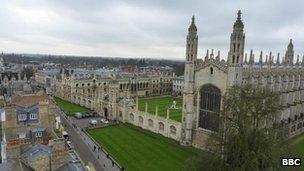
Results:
146 29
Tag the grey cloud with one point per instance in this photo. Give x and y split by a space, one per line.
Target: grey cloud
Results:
145 28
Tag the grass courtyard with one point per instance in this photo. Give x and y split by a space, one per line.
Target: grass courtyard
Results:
297 143
296 150
70 108
163 102
138 149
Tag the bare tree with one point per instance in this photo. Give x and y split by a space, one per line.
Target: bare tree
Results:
249 138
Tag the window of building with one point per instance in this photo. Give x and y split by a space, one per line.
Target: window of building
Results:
21 135
38 134
209 107
22 117
33 116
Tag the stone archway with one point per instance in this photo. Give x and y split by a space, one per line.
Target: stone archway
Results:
172 130
150 123
140 120
131 117
161 126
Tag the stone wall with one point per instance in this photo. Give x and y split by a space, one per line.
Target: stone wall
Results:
164 126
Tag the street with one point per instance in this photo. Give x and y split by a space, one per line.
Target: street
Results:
83 150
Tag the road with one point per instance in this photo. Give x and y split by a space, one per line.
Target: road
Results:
86 148
82 149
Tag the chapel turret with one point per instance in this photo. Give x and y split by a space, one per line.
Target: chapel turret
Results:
237 42
289 55
191 48
236 51
188 97
191 54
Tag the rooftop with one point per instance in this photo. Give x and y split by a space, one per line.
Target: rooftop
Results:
28 99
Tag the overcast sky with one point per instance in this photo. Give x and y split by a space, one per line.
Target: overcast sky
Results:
139 28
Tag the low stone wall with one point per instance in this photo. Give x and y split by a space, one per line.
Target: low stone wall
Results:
164 126
100 153
296 127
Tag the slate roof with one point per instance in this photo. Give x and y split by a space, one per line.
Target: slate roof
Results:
37 129
34 151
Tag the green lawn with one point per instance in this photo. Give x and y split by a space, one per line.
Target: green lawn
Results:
296 150
138 149
163 103
70 108
298 145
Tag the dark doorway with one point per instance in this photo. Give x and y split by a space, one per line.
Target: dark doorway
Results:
105 110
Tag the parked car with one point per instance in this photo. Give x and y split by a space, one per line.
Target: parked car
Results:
70 145
103 120
65 135
93 122
78 115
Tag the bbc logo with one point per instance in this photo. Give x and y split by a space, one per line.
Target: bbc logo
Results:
290 161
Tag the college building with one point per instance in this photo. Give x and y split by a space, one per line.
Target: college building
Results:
207 79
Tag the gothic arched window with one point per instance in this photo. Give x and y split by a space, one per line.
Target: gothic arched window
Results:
233 59
210 103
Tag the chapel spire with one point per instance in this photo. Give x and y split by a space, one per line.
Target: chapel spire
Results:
238 24
192 26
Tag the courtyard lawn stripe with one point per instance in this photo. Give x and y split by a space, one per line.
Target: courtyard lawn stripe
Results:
138 149
70 108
